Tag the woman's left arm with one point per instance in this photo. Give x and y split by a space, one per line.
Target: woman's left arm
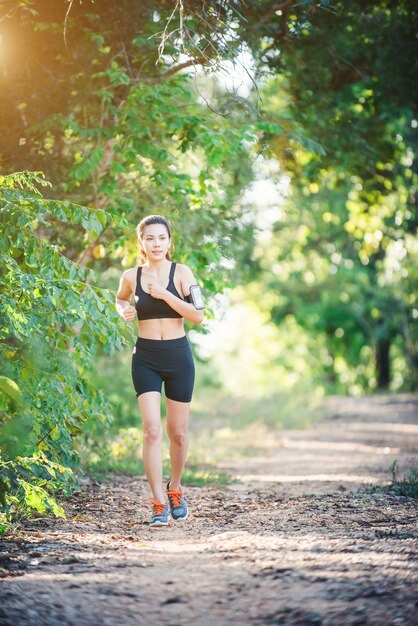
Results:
185 309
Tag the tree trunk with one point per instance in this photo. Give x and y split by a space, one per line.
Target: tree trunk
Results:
383 363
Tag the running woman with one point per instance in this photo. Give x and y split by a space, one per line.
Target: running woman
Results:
165 292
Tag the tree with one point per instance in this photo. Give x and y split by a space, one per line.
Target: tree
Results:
347 137
51 327
119 133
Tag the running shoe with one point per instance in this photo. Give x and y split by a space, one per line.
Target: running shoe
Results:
178 505
160 515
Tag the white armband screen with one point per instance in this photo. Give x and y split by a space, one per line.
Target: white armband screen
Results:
196 297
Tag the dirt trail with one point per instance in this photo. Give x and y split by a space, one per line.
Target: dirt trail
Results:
297 542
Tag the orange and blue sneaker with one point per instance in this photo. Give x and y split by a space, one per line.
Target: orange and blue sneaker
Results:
160 515
178 505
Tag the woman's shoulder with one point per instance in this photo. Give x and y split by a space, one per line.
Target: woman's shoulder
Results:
186 274
131 272
130 275
183 269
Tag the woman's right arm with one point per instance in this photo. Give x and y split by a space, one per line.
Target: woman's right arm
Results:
123 299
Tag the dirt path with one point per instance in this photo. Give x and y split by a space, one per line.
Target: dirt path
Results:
297 542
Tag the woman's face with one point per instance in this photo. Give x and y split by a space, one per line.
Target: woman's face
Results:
155 241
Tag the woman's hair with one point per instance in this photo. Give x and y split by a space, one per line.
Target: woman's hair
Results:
147 221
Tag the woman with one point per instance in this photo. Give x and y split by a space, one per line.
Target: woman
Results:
163 297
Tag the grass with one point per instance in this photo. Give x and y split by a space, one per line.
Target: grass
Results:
120 453
406 487
221 428
283 409
192 476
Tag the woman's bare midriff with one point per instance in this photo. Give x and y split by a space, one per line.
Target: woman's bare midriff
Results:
163 328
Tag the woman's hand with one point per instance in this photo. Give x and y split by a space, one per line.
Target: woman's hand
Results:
156 290
129 314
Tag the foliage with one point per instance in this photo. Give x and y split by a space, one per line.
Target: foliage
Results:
344 253
53 320
122 133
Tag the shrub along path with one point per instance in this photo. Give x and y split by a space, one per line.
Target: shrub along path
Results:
307 537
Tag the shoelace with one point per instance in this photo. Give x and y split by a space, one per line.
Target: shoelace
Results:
158 506
175 495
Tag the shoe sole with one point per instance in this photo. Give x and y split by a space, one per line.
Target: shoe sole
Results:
181 519
158 524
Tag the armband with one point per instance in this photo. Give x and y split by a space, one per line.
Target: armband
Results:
195 297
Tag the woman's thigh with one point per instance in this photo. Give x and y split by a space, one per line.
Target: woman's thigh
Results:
150 409
177 416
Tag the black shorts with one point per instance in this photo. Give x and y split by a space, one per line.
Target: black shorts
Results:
168 360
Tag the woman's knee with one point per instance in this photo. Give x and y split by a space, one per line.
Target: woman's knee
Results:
153 434
178 437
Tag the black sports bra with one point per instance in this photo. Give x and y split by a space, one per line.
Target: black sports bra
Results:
149 308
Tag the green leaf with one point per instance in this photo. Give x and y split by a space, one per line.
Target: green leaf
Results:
10 388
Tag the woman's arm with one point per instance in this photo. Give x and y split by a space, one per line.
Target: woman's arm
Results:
123 299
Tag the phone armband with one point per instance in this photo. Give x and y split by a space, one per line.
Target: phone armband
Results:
196 297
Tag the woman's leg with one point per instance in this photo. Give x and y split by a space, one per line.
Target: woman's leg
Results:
150 409
177 431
